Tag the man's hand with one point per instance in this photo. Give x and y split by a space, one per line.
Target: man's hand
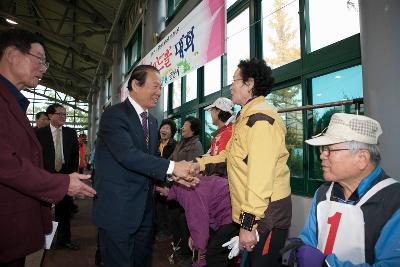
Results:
163 190
191 181
248 239
77 187
182 169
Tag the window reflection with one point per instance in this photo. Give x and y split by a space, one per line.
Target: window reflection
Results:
177 93
281 31
337 86
287 98
191 86
238 42
332 21
212 76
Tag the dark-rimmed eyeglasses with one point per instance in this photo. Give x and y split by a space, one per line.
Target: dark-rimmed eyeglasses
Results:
60 114
328 150
42 60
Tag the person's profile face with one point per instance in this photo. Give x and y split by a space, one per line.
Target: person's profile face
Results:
27 68
165 132
147 95
59 117
186 131
214 115
43 121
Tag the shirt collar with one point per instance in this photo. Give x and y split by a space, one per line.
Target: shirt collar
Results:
136 106
21 99
53 129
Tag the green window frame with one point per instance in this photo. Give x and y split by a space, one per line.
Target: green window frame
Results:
134 47
341 55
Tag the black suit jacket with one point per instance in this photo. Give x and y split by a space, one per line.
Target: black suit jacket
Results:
70 149
125 168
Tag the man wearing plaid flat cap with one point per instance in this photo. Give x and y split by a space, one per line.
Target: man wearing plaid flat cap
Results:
354 219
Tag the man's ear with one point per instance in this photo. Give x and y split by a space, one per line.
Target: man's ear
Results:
10 53
364 158
135 85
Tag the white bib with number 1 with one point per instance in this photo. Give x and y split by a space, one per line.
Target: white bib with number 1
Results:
341 226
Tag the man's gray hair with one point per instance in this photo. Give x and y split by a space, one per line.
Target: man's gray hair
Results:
372 149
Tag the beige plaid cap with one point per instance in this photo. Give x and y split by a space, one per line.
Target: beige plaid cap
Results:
222 103
345 127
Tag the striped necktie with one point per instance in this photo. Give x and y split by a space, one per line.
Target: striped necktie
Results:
144 117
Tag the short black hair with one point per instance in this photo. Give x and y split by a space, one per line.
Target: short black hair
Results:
21 39
260 72
171 124
195 124
52 108
140 74
224 115
39 114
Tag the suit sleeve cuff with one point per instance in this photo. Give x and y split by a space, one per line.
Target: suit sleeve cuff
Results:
171 167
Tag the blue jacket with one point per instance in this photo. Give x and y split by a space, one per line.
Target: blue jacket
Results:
125 168
386 249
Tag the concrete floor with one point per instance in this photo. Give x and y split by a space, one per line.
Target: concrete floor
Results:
84 233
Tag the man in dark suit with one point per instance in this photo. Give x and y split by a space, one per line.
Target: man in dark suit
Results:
60 155
26 189
126 164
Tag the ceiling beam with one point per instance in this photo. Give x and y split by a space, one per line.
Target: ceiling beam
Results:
92 16
39 12
56 100
80 48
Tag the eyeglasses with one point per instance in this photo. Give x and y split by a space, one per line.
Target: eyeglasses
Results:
60 114
42 60
233 80
328 150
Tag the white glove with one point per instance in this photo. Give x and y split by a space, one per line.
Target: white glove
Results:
233 245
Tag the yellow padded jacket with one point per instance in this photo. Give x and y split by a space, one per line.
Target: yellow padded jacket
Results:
256 157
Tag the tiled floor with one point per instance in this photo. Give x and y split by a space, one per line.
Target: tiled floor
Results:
84 233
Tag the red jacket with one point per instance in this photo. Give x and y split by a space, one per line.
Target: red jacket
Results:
221 139
25 188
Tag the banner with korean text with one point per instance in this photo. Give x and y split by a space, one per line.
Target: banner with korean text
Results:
196 40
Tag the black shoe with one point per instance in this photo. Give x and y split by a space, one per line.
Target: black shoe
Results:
69 245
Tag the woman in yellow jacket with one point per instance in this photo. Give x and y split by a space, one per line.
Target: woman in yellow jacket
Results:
259 178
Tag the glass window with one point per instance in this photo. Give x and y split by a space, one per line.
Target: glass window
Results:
165 95
209 128
212 76
177 92
332 21
337 86
238 42
281 31
178 133
287 98
191 86
229 3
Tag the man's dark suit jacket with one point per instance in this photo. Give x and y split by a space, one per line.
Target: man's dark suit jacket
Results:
124 168
70 149
25 187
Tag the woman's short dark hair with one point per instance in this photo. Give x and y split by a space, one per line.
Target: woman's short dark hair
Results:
260 72
195 124
140 74
224 115
171 124
21 39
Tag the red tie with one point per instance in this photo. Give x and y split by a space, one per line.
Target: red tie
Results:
145 128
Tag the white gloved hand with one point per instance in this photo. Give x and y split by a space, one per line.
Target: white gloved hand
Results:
233 245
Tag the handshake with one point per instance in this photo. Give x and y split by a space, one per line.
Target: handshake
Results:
185 173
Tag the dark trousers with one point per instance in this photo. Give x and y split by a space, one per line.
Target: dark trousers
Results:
15 263
179 228
63 217
265 253
163 217
129 249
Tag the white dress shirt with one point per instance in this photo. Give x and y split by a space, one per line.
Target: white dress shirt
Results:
54 134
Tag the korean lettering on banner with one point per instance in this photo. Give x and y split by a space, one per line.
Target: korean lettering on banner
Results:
163 60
